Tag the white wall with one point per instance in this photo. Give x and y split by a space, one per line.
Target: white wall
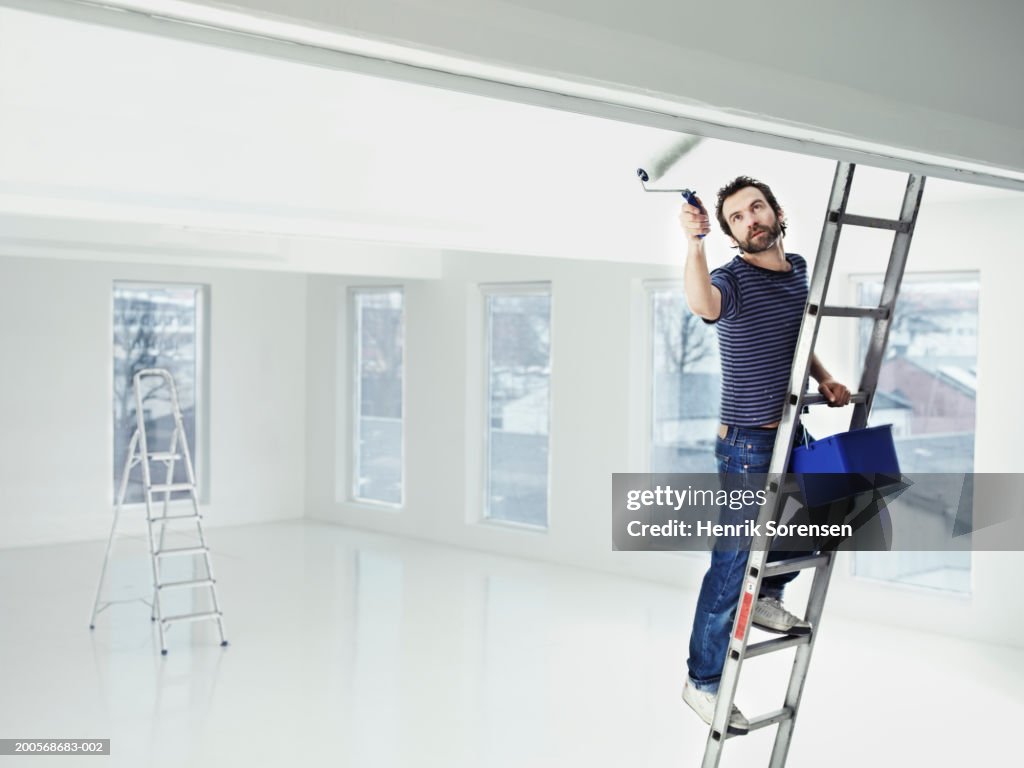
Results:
56 463
598 419
923 75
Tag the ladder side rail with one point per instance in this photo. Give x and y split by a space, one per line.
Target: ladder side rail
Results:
739 634
147 482
170 462
118 504
180 433
890 291
838 199
169 478
734 654
801 663
186 452
808 337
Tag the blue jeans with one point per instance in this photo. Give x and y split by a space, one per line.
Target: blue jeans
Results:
742 453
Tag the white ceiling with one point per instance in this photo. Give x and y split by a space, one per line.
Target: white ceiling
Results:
107 125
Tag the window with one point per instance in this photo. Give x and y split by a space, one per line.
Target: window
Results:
518 355
155 326
379 448
685 384
927 389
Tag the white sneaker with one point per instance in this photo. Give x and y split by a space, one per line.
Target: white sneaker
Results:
703 703
771 616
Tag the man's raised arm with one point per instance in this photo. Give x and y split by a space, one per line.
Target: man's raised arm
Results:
704 299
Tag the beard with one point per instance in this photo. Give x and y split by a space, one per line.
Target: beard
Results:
762 239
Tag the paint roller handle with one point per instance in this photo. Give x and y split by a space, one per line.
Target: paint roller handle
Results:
690 196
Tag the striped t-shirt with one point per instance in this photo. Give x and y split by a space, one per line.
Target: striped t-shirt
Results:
757 333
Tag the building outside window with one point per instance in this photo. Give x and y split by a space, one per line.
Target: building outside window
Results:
927 390
156 326
518 359
379 439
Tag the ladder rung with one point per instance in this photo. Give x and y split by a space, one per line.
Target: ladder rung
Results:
166 518
192 617
878 313
872 222
791 487
181 551
187 584
816 399
172 488
780 567
163 456
771 718
778 644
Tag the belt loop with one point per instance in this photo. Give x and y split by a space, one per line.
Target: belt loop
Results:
733 434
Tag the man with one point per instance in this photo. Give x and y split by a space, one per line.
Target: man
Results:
756 301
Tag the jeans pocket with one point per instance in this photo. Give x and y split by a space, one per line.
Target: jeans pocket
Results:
758 461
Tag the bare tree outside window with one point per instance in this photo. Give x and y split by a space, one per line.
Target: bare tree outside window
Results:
155 326
686 385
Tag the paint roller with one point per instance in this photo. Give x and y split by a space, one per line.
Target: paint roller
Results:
660 165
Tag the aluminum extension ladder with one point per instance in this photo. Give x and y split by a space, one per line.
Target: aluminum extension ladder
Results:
798 398
139 454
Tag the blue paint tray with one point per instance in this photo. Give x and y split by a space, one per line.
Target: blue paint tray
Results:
846 464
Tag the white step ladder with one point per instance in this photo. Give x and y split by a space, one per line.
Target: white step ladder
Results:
139 454
798 399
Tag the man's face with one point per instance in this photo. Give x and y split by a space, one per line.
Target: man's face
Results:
753 223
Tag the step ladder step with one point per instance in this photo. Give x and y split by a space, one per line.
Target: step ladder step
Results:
186 617
780 567
167 518
172 488
876 313
181 551
872 222
191 584
164 456
777 644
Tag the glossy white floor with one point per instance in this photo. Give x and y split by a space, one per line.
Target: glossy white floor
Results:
353 649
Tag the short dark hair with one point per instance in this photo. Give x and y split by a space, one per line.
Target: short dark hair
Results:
734 186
